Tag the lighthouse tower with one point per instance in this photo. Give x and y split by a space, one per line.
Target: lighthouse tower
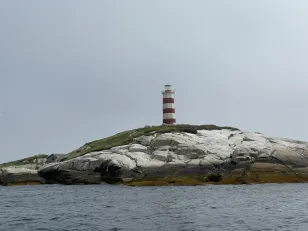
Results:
168 105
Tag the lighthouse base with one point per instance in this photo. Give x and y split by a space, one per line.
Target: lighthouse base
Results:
169 121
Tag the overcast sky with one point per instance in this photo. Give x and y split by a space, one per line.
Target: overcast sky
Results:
75 71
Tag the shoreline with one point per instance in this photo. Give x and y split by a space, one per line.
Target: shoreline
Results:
234 179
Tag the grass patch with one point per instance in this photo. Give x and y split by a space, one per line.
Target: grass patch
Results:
127 137
28 160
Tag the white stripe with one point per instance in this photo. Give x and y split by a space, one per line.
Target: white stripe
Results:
169 115
168 105
167 95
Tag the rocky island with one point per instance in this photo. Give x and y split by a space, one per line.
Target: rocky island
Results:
171 155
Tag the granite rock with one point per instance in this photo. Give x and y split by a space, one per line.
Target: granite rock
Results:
225 152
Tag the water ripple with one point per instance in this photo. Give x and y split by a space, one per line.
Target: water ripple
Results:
104 207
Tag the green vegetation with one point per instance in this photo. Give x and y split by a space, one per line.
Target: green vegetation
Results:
127 137
27 160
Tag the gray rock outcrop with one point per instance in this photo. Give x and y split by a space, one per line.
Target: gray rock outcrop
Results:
239 156
22 176
25 173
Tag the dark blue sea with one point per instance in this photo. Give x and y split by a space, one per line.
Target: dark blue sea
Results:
106 207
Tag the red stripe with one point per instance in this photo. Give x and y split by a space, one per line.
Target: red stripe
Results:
169 110
168 100
169 121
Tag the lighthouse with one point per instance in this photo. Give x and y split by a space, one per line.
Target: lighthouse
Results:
168 105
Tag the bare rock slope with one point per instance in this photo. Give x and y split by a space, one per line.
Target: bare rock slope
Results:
186 158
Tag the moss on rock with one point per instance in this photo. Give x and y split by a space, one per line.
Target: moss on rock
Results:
28 160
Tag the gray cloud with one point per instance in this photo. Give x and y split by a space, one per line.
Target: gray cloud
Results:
74 71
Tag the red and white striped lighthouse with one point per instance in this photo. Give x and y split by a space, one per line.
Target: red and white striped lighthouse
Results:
168 105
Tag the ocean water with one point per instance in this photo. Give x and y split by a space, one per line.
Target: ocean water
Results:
106 207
